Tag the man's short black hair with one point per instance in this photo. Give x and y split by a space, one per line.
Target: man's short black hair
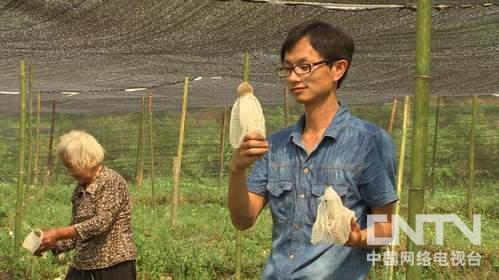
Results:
330 42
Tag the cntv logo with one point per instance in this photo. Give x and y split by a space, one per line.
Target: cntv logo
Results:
417 236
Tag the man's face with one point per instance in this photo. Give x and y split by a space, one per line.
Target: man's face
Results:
314 86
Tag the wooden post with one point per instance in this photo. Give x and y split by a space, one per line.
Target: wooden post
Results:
151 150
392 116
222 147
434 156
139 170
51 140
286 106
471 185
178 163
20 180
400 171
175 177
36 169
420 125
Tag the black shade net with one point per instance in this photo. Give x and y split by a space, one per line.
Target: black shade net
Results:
100 48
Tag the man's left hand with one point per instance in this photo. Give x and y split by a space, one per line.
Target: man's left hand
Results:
355 237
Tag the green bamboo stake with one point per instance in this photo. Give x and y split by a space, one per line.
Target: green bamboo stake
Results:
246 66
392 116
56 159
471 185
36 169
222 147
139 167
177 167
400 171
434 155
239 234
30 131
151 149
20 180
420 126
51 141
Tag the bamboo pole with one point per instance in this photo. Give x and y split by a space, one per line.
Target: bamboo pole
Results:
471 185
420 126
176 178
51 141
246 66
182 122
434 152
30 127
400 171
222 147
151 150
36 169
139 168
56 159
239 234
20 180
286 106
392 116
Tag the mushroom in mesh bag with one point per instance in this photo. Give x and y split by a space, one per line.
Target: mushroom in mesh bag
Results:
333 223
246 115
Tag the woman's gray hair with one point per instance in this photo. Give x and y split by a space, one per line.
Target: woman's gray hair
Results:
80 149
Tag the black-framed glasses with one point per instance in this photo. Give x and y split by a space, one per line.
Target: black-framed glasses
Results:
299 69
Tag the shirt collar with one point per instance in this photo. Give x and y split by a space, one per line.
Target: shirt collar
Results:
339 121
97 183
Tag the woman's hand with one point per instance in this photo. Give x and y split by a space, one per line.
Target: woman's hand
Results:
49 241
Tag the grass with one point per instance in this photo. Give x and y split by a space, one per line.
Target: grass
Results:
202 244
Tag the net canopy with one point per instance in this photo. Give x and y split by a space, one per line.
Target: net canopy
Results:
95 49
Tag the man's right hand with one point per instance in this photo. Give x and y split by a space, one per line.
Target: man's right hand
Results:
253 147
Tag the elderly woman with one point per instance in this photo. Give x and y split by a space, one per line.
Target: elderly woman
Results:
100 230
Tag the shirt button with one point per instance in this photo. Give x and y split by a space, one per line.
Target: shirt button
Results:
297 226
306 170
302 195
292 257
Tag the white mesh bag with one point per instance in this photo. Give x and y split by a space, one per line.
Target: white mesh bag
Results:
246 115
333 220
32 241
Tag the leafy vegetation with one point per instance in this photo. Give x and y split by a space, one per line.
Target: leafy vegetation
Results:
202 245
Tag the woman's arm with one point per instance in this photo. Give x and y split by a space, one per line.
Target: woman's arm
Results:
59 239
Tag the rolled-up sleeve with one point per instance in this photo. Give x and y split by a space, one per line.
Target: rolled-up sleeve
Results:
108 207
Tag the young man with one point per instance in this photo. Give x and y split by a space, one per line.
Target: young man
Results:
326 147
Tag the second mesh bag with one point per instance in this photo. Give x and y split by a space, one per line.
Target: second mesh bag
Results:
246 115
333 220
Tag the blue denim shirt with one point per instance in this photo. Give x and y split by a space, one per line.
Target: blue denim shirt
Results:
357 159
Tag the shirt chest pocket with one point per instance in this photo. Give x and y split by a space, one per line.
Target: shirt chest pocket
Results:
281 201
318 191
